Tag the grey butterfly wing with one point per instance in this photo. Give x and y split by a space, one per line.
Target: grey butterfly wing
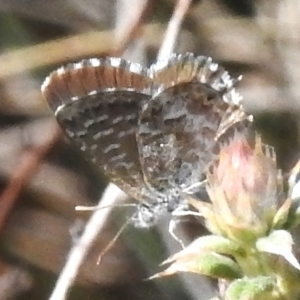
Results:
96 103
179 126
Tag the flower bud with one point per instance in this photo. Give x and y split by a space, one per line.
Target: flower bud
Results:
245 188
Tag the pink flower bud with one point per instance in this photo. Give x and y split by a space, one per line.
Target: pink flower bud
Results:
244 187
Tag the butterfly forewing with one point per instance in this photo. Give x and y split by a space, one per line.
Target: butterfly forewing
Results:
97 104
178 128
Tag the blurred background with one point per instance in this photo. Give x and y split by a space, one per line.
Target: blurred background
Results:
43 177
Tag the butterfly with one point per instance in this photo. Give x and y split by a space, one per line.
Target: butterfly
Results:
152 131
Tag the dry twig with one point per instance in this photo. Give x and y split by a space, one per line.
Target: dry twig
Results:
29 163
110 198
173 29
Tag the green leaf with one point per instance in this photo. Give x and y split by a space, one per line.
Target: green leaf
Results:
258 288
279 242
209 243
218 266
210 264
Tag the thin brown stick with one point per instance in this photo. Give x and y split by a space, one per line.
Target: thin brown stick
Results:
83 45
29 163
87 44
135 29
173 29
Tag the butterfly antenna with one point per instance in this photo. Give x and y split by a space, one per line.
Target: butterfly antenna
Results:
112 242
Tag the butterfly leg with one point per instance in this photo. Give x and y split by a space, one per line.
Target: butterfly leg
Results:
172 228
